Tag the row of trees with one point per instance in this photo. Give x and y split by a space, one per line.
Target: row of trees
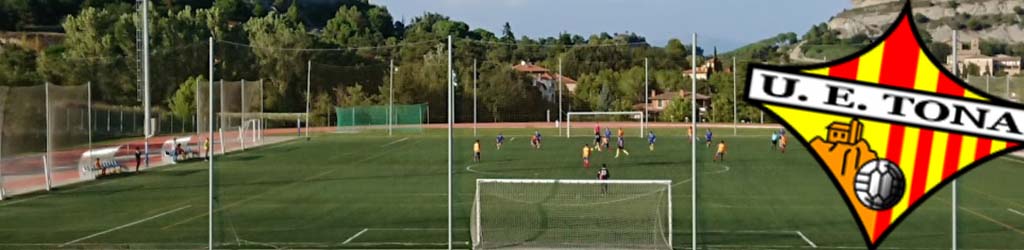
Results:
350 51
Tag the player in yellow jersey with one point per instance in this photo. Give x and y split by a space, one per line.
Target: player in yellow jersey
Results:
689 132
720 155
586 156
476 151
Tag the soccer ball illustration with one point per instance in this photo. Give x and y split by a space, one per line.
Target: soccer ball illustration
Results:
879 184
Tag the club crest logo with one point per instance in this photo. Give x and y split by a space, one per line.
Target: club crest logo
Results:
889 125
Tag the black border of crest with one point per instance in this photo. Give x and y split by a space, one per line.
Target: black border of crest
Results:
905 13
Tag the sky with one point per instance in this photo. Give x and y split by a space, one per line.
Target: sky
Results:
727 24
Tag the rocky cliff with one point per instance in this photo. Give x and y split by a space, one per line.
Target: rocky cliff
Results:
986 19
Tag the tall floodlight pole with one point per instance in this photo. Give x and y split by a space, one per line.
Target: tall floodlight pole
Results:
47 160
560 76
209 151
735 113
88 87
145 78
243 113
451 121
391 96
262 118
2 156
693 144
647 96
199 131
309 72
474 98
956 64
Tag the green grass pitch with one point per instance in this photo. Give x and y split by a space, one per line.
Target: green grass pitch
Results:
368 190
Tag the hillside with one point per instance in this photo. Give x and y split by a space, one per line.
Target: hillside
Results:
998 20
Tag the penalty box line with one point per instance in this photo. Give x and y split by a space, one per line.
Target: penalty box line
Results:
283 187
798 233
124 226
361 232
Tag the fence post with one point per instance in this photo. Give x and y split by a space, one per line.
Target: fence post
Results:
49 138
46 172
1 155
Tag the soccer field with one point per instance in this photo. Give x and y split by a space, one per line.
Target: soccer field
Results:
368 190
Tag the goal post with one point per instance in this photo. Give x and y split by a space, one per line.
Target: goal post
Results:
639 116
552 213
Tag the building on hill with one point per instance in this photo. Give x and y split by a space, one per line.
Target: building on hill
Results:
971 55
546 81
659 102
709 67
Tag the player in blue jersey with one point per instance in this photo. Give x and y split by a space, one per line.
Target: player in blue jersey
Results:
500 140
707 137
606 141
651 139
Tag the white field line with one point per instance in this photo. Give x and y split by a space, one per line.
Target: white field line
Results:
284 187
396 141
809 242
16 201
990 219
124 226
417 229
354 236
1013 158
1015 211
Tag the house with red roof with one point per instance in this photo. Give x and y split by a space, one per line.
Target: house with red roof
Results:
546 81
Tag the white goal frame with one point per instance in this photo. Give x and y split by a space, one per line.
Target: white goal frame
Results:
568 119
253 126
476 197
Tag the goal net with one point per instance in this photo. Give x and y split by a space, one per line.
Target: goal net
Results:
632 122
398 117
593 214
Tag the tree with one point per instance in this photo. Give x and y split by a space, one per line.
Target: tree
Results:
183 103
678 110
676 52
972 70
322 106
354 96
940 50
921 18
235 10
506 34
721 108
350 27
505 91
17 66
94 40
277 31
